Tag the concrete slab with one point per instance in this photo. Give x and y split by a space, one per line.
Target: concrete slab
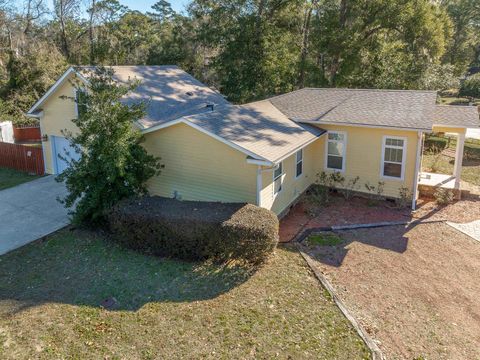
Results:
471 229
30 211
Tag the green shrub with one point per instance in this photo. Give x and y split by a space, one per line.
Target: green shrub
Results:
194 230
404 197
443 196
471 87
435 144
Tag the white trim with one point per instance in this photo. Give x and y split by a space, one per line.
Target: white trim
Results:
275 194
35 116
404 157
344 155
296 164
54 87
418 165
259 186
259 162
42 142
458 165
319 122
53 149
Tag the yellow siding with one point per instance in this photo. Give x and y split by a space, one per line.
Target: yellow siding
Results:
291 187
58 115
363 159
364 156
199 167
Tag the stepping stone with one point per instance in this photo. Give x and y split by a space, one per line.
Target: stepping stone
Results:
471 229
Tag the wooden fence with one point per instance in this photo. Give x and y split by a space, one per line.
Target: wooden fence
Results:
21 157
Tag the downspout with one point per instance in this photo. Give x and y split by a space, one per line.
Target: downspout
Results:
418 162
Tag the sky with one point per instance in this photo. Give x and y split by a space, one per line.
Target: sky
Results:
177 5
141 5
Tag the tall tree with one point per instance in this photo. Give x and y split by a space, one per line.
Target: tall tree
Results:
65 11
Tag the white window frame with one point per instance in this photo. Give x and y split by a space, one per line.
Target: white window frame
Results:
327 140
280 164
297 162
404 156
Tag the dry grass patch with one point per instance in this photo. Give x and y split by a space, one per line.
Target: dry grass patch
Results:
444 165
50 294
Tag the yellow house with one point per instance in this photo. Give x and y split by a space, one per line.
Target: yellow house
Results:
267 152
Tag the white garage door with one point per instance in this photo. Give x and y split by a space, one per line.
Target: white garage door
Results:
62 149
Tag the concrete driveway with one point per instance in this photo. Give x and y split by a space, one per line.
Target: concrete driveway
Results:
30 211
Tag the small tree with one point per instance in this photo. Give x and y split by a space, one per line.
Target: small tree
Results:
471 87
112 164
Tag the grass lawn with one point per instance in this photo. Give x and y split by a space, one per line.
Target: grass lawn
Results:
9 178
51 291
453 100
325 239
444 165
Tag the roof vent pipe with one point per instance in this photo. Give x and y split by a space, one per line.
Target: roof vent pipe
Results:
210 106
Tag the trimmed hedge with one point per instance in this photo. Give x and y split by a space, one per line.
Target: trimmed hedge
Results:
192 230
437 144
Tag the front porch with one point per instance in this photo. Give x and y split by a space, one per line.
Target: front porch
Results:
430 179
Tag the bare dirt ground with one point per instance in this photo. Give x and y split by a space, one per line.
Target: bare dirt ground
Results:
416 290
465 210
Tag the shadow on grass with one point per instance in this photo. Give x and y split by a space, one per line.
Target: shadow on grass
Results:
334 255
81 268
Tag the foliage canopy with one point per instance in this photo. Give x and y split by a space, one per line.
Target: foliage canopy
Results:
112 164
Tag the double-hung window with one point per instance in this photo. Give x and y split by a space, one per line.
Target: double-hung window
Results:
393 157
299 163
336 146
277 179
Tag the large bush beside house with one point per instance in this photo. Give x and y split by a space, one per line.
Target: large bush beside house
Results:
194 230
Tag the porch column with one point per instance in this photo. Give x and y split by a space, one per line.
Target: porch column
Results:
457 171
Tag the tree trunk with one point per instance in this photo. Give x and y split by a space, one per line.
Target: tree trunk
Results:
342 25
91 32
304 51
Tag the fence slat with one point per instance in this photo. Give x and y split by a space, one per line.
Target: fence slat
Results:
21 157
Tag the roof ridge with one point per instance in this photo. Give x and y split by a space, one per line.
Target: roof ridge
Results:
366 89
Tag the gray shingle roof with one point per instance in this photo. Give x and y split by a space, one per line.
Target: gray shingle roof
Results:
171 92
457 115
257 127
385 108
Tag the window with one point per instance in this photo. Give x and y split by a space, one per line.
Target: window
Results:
277 179
80 101
336 151
393 157
299 163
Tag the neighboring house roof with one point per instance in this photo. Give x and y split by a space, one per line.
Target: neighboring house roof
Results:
406 109
170 91
457 116
259 128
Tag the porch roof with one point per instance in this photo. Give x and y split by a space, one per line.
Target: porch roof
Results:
456 116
